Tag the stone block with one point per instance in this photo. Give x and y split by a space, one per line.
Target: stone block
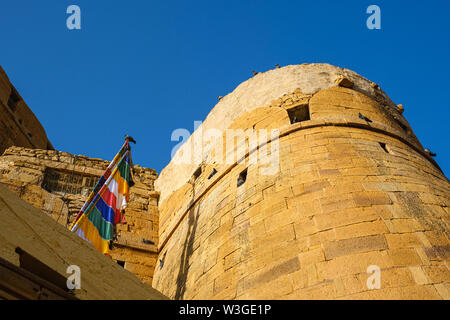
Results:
402 240
419 275
377 227
369 198
311 257
344 217
354 245
405 257
407 225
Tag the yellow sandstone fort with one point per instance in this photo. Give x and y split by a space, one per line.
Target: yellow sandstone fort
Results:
325 185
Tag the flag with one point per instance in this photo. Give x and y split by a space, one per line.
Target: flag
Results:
96 224
102 180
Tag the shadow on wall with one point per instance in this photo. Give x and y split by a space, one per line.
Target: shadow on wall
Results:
188 249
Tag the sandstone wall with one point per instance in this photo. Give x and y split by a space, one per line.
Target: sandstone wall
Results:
58 183
348 194
18 125
25 227
261 91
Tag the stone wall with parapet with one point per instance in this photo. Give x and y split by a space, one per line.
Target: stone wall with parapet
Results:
58 184
18 125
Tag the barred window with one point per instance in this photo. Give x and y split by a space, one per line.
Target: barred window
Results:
90 182
67 182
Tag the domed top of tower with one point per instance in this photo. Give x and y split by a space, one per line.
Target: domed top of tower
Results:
260 91
265 87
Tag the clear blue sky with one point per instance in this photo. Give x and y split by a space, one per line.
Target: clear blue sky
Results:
148 67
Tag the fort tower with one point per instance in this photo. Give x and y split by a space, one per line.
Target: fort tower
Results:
353 188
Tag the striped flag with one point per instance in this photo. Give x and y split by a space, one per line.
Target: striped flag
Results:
102 180
96 224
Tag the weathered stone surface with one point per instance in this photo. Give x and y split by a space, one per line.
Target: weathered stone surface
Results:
354 245
59 185
347 195
34 232
307 79
18 125
344 82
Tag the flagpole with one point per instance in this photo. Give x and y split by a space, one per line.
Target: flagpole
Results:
97 187
100 193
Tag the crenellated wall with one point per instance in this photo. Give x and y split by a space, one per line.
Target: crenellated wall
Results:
353 188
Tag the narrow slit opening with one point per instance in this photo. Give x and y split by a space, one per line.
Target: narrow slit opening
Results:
13 99
197 173
384 147
213 172
242 178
